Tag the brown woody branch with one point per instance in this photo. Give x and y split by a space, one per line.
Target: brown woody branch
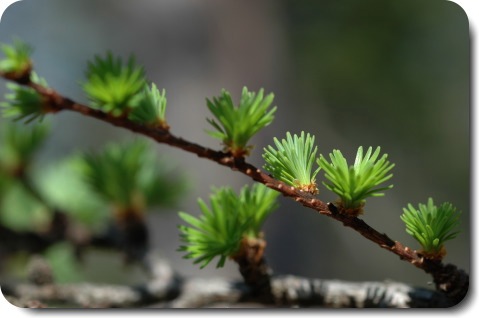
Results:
447 277
252 266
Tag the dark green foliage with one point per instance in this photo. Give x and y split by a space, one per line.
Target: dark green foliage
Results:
20 143
19 209
130 176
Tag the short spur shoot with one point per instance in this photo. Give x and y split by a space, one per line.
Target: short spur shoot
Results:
292 161
353 184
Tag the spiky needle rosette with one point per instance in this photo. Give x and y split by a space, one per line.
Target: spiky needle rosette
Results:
353 184
130 177
16 63
431 226
236 125
25 103
112 85
151 108
219 230
292 161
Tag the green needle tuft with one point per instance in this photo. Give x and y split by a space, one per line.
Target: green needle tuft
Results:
292 161
353 184
235 126
431 226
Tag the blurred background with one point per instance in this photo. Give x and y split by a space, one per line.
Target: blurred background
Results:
393 74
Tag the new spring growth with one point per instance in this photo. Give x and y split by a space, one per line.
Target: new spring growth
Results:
353 184
16 63
235 126
431 226
151 108
25 103
292 161
220 229
130 177
112 85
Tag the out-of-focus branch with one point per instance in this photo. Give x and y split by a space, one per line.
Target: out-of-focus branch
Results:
165 289
163 284
340 294
37 242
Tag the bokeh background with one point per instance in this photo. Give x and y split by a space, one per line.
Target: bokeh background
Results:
371 72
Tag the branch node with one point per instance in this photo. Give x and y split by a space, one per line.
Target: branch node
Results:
226 161
332 208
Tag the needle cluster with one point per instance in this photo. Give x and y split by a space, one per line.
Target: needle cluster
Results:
292 161
353 184
219 230
431 226
236 125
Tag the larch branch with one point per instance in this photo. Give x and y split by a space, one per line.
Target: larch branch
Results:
458 288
